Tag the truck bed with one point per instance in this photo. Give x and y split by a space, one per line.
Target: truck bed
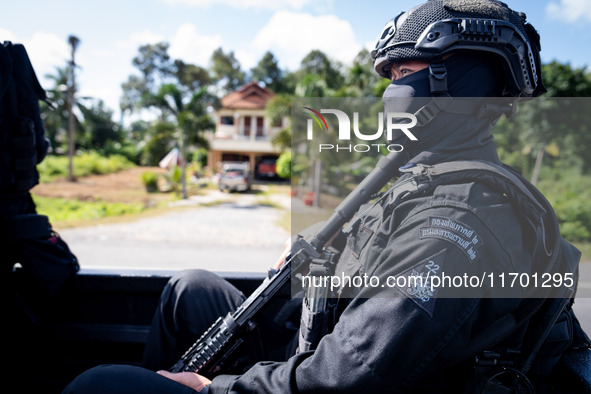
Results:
99 317
103 317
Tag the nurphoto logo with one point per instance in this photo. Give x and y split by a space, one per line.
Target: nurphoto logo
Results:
395 122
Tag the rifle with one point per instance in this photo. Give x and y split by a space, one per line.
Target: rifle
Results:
207 355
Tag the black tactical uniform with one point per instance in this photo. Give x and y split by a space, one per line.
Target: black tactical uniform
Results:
409 338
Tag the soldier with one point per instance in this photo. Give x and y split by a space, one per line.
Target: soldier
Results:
446 52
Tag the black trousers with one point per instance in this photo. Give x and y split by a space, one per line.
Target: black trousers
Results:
124 379
189 304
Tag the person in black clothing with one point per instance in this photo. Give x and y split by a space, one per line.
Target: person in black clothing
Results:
419 339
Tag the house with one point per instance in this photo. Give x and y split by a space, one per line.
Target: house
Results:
242 132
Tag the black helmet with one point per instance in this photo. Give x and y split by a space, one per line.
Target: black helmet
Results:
439 27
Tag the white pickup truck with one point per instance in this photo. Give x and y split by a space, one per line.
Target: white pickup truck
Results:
234 177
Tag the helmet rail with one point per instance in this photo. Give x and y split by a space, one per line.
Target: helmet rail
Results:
437 28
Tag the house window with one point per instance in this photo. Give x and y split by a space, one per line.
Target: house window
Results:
227 120
260 126
247 125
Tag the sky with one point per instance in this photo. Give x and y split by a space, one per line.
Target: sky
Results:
111 32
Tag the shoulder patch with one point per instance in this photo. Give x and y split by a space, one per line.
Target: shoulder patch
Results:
455 232
418 282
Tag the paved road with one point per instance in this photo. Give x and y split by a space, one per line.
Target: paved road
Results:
582 305
234 236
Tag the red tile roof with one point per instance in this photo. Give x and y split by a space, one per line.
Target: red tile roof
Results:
249 96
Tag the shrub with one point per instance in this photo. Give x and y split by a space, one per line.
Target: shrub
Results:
150 181
65 210
570 193
284 165
88 163
574 232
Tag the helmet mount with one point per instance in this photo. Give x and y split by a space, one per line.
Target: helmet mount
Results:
437 28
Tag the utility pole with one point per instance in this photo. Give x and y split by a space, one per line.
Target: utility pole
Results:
74 42
317 187
183 165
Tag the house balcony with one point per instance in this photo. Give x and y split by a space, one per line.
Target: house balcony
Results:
242 144
226 132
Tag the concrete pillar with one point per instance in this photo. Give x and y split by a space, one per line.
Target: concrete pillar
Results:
252 160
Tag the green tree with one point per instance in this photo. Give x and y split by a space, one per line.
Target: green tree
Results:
570 113
290 80
318 63
190 76
361 75
137 131
160 139
187 109
556 123
133 90
188 114
267 71
278 108
155 68
313 85
153 61
99 127
178 92
227 71
562 80
55 116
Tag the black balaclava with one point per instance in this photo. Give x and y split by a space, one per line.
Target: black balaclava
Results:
449 136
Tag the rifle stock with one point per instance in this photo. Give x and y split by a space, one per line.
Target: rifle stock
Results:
207 355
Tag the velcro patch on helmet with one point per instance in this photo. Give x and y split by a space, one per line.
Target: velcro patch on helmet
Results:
487 8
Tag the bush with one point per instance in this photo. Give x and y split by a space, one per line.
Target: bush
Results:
150 181
159 140
65 210
174 179
89 163
574 216
574 232
176 174
129 151
283 165
569 194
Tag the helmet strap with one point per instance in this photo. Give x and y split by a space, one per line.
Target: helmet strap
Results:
438 78
441 98
478 109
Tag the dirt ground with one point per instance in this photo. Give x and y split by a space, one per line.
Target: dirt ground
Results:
123 186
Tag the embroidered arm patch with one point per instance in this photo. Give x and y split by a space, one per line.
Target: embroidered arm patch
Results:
455 232
418 282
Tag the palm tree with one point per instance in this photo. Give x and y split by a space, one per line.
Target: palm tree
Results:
190 115
55 116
